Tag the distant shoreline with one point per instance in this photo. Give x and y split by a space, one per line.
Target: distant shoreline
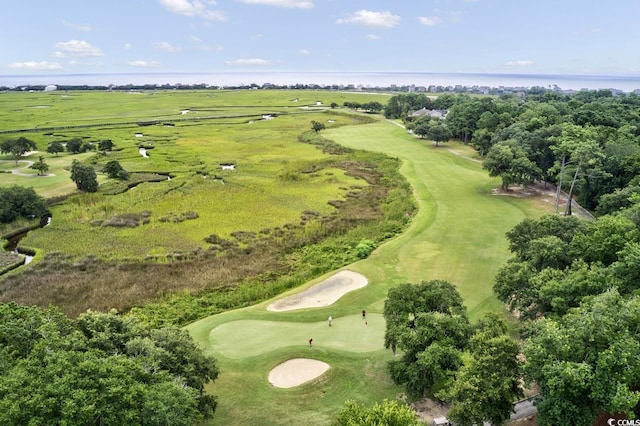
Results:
624 83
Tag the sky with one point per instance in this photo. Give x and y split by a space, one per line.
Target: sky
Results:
596 37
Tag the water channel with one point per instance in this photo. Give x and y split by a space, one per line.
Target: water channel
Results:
14 241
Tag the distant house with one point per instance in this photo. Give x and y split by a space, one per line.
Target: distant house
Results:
435 113
441 421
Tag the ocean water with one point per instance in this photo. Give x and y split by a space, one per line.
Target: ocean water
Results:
626 83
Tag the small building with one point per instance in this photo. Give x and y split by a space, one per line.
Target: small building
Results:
435 113
441 421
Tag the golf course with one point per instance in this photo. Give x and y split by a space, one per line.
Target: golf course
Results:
457 235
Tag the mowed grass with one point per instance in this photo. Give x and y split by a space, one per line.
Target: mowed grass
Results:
55 183
458 235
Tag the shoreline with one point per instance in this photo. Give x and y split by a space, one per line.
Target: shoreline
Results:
625 83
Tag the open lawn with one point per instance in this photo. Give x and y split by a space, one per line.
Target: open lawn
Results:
457 235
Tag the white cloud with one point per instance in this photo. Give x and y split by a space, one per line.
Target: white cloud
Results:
373 37
33 65
144 64
429 21
520 63
83 27
193 8
86 63
371 19
297 4
167 47
206 48
76 48
127 46
303 52
253 61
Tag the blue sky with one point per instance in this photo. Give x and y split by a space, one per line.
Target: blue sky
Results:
439 36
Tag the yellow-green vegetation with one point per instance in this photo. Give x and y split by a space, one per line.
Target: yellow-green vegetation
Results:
233 185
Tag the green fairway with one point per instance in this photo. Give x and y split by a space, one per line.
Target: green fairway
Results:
458 235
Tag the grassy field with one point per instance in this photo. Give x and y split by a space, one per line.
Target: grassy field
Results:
457 235
268 187
169 240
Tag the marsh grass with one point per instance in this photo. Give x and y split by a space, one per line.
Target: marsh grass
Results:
206 239
191 284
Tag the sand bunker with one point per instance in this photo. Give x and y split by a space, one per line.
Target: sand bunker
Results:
322 294
295 372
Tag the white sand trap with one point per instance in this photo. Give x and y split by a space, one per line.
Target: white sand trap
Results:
297 371
323 294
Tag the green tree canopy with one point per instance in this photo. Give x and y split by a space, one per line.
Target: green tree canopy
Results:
17 147
105 145
55 148
74 145
18 201
428 323
509 161
587 361
439 132
114 170
84 176
487 386
100 369
40 166
386 413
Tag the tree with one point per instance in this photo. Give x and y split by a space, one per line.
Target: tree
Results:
105 145
604 238
387 413
17 147
317 126
405 301
18 201
373 107
486 388
114 170
421 127
99 369
509 161
40 166
586 362
55 148
439 133
84 176
428 323
578 152
74 145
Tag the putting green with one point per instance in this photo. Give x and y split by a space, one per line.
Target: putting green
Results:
248 338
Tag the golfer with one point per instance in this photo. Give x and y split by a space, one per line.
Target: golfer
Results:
330 319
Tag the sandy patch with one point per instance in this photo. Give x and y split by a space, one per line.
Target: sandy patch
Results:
323 294
295 372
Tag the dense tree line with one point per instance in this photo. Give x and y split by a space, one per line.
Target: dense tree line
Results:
574 285
587 143
101 368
